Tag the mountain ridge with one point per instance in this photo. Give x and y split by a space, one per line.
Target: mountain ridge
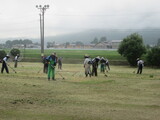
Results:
150 36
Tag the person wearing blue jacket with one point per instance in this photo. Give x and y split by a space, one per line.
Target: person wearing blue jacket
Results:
52 60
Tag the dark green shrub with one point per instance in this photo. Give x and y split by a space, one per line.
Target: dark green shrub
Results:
132 47
2 54
14 52
153 57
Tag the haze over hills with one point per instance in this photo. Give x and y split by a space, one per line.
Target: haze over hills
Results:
150 36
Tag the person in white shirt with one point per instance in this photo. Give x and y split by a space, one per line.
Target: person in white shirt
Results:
87 65
16 60
4 64
140 64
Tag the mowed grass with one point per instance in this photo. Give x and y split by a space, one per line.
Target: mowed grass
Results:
123 95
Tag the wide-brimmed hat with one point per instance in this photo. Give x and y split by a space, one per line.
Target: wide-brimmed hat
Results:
102 58
7 56
86 56
98 57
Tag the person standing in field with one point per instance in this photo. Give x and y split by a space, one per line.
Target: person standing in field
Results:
87 65
16 60
102 64
4 64
95 66
107 68
59 63
45 65
52 60
140 64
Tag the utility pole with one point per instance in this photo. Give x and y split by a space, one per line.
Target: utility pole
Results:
42 11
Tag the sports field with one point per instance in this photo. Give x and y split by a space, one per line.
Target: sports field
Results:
123 95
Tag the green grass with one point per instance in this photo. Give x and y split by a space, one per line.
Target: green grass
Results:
123 95
75 56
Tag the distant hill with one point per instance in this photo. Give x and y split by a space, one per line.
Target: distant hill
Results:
150 36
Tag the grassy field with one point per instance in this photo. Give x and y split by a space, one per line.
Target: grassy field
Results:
123 95
71 56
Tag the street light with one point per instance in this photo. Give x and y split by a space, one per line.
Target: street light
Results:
42 11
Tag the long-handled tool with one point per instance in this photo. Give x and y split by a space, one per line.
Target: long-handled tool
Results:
12 68
61 75
39 70
75 73
57 72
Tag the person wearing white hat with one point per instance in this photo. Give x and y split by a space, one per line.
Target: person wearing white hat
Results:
140 64
95 66
102 64
87 65
16 60
4 64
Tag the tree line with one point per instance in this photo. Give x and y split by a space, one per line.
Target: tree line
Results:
96 40
132 47
9 43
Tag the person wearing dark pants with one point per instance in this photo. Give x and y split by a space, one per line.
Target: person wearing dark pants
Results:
107 68
16 60
4 64
102 65
45 65
140 65
59 63
95 66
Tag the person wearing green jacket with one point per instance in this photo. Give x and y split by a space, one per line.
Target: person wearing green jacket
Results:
52 60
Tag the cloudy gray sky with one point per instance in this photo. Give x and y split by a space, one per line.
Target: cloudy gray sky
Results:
20 18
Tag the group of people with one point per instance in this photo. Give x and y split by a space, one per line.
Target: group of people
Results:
104 65
51 61
88 63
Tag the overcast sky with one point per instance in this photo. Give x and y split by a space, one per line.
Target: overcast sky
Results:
20 18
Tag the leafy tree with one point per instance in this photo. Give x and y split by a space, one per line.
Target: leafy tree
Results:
79 43
95 41
26 41
15 51
67 44
103 39
2 54
132 47
158 42
153 56
148 46
9 43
